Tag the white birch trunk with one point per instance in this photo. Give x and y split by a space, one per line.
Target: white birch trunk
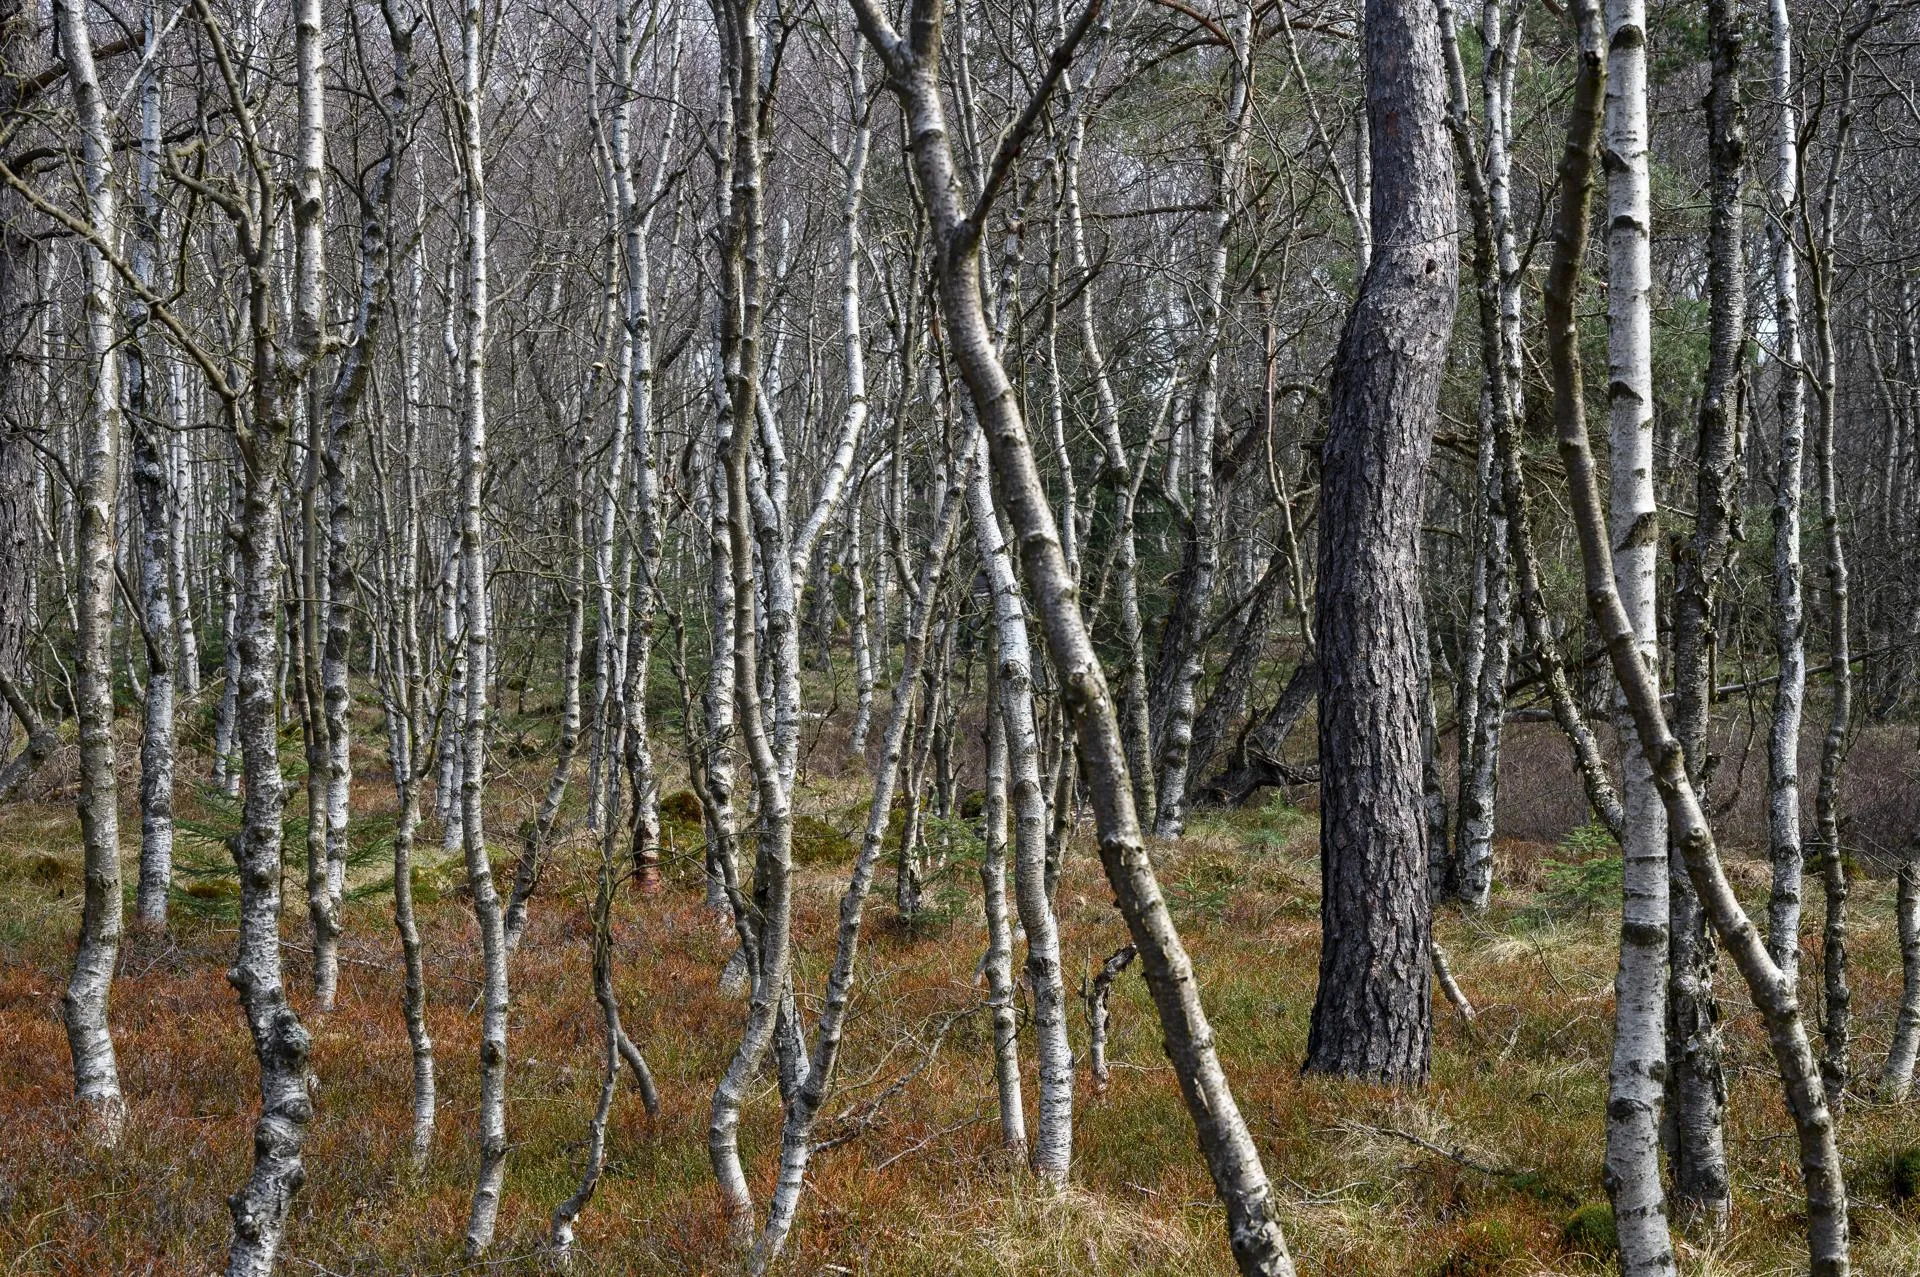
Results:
1789 691
153 485
1053 1136
1634 1090
96 1074
997 965
492 1116
1182 654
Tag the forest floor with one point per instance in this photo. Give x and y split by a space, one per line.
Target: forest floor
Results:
1485 1171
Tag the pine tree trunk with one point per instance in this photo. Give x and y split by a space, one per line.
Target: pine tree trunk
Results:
1372 1015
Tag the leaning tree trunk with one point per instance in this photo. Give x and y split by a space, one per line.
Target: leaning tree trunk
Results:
96 1074
1372 1016
914 74
803 1109
1771 988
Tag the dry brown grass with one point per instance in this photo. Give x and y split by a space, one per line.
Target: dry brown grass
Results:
927 1190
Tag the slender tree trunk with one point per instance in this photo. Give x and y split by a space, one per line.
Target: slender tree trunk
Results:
1178 667
1696 1083
22 310
1896 1076
1836 995
1790 689
96 1074
1634 1092
764 922
1013 683
156 495
861 635
492 1117
281 1043
1482 692
803 1108
997 965
538 831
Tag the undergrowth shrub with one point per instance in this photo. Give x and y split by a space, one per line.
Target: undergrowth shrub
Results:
1590 1231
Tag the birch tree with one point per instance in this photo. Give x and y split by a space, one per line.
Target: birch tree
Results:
96 1073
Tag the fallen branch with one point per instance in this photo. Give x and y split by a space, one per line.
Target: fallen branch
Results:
1451 1154
1094 993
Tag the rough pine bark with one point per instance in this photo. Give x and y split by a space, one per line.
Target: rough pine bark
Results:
1372 1015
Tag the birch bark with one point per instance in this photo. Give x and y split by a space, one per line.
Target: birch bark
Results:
1772 989
492 1116
914 75
153 486
96 1074
1696 1084
1634 1091
1789 690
